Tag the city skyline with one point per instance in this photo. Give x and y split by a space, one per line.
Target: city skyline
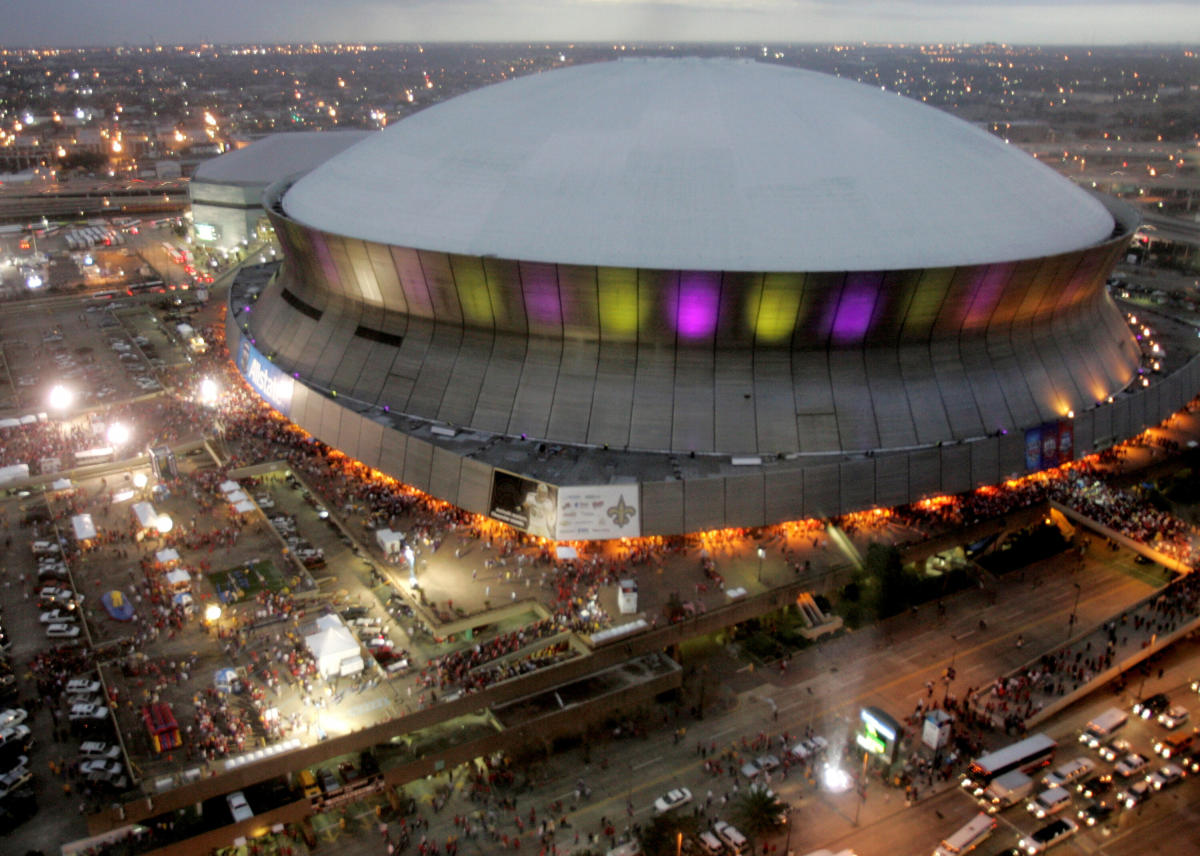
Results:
71 23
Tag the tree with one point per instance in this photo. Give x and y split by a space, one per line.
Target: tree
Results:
758 812
659 836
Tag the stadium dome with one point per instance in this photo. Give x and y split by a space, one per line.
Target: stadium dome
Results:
702 164
659 296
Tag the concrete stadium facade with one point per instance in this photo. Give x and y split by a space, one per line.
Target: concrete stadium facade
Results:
696 398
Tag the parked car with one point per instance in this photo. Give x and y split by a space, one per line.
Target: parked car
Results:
88 713
1168 775
12 716
1054 832
62 631
101 769
98 749
82 685
761 764
58 616
238 807
810 748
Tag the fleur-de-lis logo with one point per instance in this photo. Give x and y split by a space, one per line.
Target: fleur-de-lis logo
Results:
621 513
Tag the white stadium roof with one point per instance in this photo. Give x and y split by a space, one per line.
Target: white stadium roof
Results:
276 156
698 164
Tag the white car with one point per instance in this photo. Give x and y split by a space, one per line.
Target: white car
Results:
1138 792
12 716
58 616
14 779
18 734
671 800
92 749
100 769
1168 775
62 631
810 748
761 764
84 712
1069 772
1115 750
1130 764
1173 717
82 685
1054 832
238 807
264 500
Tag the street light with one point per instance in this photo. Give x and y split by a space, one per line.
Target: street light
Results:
118 434
208 392
762 554
60 397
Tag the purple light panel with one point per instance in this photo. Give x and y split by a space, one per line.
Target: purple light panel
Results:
696 305
853 316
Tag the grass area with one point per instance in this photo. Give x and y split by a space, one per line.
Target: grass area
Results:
235 584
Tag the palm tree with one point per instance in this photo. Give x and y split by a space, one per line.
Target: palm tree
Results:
758 812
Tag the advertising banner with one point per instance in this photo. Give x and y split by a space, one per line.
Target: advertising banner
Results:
1033 449
267 379
1049 446
593 512
525 504
1066 441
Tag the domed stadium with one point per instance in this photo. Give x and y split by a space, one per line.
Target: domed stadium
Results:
666 295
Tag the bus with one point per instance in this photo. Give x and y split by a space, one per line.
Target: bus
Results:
1027 755
99 455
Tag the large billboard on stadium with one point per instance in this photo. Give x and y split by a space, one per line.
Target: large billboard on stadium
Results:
267 379
574 513
599 511
525 504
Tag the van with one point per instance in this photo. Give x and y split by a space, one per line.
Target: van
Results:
967 838
1048 802
733 839
308 783
1175 745
1103 728
710 844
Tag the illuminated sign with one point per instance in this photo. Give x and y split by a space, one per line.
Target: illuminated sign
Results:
877 733
207 232
599 511
268 380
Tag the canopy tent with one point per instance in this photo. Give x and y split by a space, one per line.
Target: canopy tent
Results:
236 496
167 556
9 423
178 578
566 552
228 486
147 517
124 495
60 484
390 542
14 472
83 527
244 507
334 648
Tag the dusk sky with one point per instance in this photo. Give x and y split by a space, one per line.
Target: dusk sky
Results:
1080 22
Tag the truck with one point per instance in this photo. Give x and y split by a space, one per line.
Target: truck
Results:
1103 727
1006 790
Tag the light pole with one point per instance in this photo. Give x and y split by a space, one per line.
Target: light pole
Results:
762 554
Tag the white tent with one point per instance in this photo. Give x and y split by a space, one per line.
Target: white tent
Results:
167 556
60 484
228 486
179 578
236 496
14 472
146 516
83 526
9 423
334 648
244 507
390 542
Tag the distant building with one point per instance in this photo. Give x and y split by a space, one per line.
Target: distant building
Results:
226 191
